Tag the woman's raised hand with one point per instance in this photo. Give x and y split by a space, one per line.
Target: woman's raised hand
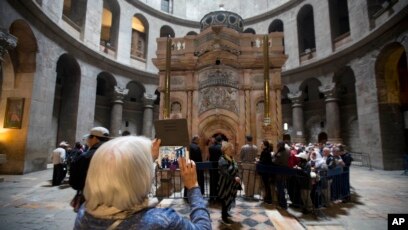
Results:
155 148
188 172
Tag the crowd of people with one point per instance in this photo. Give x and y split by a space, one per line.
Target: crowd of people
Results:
319 176
305 176
113 178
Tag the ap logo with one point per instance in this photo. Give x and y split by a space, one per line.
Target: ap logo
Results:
397 221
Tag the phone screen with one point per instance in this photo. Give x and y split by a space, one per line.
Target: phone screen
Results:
181 152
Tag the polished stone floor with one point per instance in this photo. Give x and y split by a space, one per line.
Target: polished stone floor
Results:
29 202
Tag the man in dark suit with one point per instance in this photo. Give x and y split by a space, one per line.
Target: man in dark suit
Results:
195 155
215 154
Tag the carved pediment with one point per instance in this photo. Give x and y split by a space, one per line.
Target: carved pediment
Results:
224 40
218 78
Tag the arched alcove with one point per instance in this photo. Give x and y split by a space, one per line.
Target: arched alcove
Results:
66 98
133 108
391 76
346 93
105 83
24 55
219 125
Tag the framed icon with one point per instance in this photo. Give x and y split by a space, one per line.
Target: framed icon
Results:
14 113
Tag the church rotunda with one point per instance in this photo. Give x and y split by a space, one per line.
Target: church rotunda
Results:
337 72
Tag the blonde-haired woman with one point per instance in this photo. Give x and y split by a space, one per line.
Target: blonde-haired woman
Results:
120 178
229 181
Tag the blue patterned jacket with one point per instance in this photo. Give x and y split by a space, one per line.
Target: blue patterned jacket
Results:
154 218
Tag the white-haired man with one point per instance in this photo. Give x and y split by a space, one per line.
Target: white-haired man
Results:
58 159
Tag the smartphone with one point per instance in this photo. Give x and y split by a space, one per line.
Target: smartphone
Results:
182 152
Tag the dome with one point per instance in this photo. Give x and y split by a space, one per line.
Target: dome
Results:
222 18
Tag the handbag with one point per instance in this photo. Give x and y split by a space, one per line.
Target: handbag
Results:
77 201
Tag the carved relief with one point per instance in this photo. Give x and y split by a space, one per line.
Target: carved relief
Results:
218 97
175 110
257 80
218 78
7 41
119 93
177 81
260 107
175 107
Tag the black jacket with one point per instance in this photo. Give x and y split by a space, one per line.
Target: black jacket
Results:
195 153
215 152
79 168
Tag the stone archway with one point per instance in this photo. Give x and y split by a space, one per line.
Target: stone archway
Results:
66 99
391 74
213 125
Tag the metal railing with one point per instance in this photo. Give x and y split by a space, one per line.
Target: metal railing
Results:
299 187
361 159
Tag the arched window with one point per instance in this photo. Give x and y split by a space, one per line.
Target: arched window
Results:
339 19
276 26
110 26
306 30
249 31
74 13
139 37
167 6
378 7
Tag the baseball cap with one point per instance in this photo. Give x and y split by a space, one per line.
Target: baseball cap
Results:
64 144
98 132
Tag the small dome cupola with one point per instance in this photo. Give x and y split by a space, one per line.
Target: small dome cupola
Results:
222 18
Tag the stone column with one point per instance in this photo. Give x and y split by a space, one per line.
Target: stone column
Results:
332 112
297 117
117 110
148 102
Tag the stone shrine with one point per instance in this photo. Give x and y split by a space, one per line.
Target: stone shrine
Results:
217 80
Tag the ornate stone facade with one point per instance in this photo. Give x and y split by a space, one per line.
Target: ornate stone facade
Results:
216 88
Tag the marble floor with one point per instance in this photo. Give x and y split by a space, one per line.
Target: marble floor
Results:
245 214
30 202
